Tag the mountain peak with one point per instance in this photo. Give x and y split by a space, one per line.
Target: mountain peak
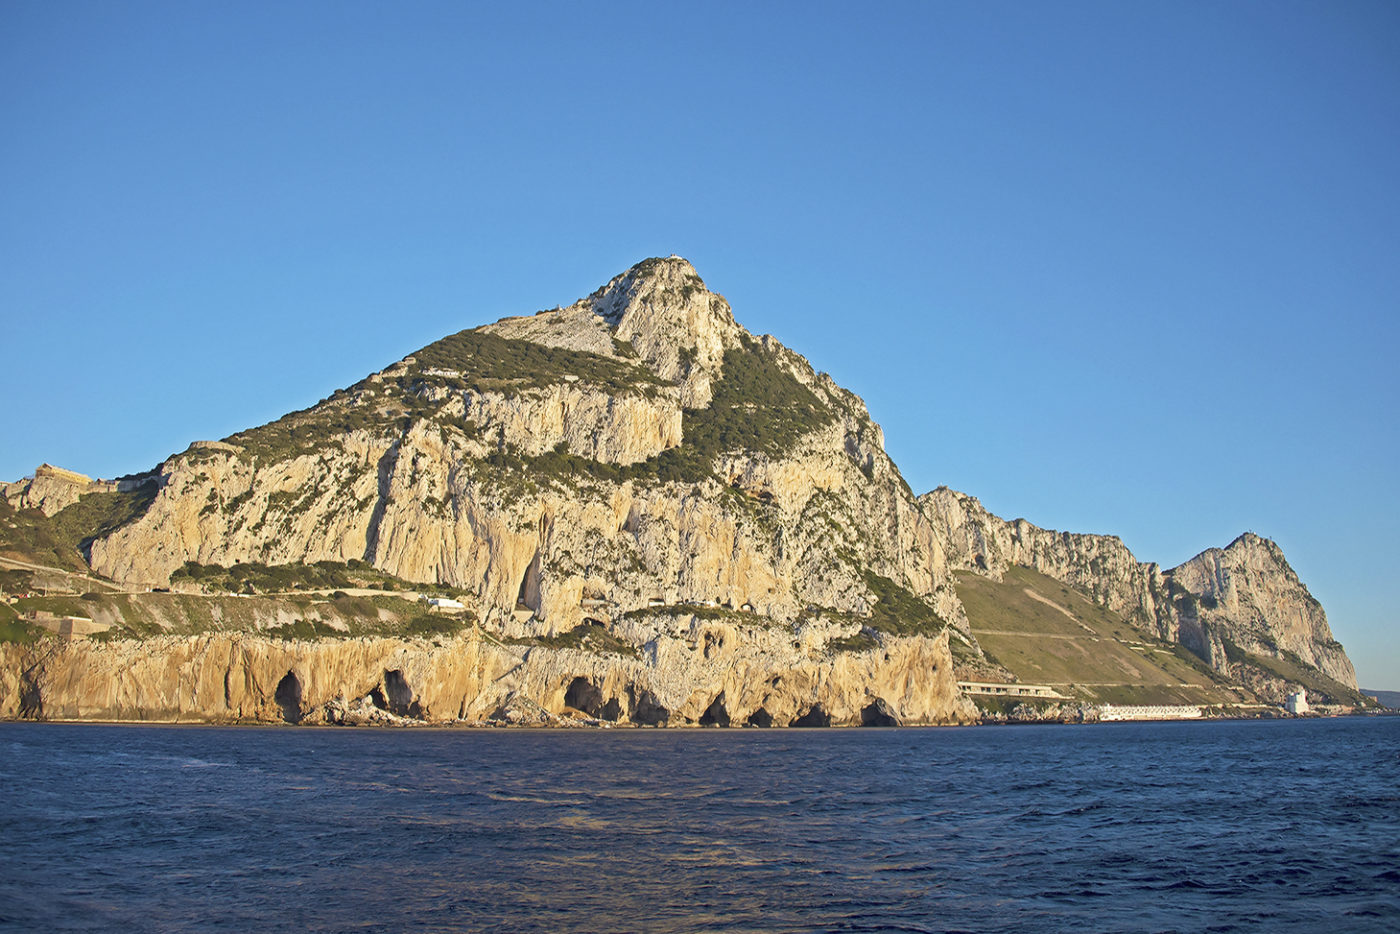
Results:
662 309
648 278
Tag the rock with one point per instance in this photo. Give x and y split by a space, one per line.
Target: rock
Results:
1248 594
427 503
1245 595
636 464
681 679
50 490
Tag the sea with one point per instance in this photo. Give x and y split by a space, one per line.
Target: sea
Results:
1283 825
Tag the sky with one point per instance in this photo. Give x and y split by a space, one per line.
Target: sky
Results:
1129 268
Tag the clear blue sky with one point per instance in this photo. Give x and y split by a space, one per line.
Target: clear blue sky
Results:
1114 267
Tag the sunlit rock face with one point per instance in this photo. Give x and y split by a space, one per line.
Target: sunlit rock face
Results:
1248 595
1243 598
51 489
636 464
691 673
528 461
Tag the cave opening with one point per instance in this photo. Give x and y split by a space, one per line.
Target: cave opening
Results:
878 713
817 716
288 697
528 597
715 714
584 696
398 694
760 718
648 711
31 700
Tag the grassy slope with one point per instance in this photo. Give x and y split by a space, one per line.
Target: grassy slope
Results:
57 540
1082 649
139 615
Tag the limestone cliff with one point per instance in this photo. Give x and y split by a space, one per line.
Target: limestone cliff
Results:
635 466
1244 599
690 671
636 448
1247 596
51 489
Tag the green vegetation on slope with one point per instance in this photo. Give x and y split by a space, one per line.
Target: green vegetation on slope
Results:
14 629
61 540
488 362
308 430
1046 632
1291 668
256 577
757 406
474 360
292 616
15 581
585 637
899 611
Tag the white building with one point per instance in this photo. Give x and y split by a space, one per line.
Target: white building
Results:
1297 702
1149 712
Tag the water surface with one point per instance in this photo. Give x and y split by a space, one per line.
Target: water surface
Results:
1218 826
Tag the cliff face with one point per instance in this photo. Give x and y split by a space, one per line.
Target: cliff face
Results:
1244 597
1100 565
51 489
1248 595
689 672
635 464
636 448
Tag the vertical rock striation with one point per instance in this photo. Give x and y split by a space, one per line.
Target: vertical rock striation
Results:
693 673
1243 598
636 463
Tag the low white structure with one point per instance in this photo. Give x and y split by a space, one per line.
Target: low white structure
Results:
1004 689
444 603
1297 702
1150 712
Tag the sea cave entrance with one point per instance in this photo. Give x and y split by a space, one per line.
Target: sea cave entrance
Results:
715 714
817 716
288 697
878 713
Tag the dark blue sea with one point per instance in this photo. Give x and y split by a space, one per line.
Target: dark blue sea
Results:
1217 826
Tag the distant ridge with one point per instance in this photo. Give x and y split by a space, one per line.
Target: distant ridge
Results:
1389 699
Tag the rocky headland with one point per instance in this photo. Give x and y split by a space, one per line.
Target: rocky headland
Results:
647 515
